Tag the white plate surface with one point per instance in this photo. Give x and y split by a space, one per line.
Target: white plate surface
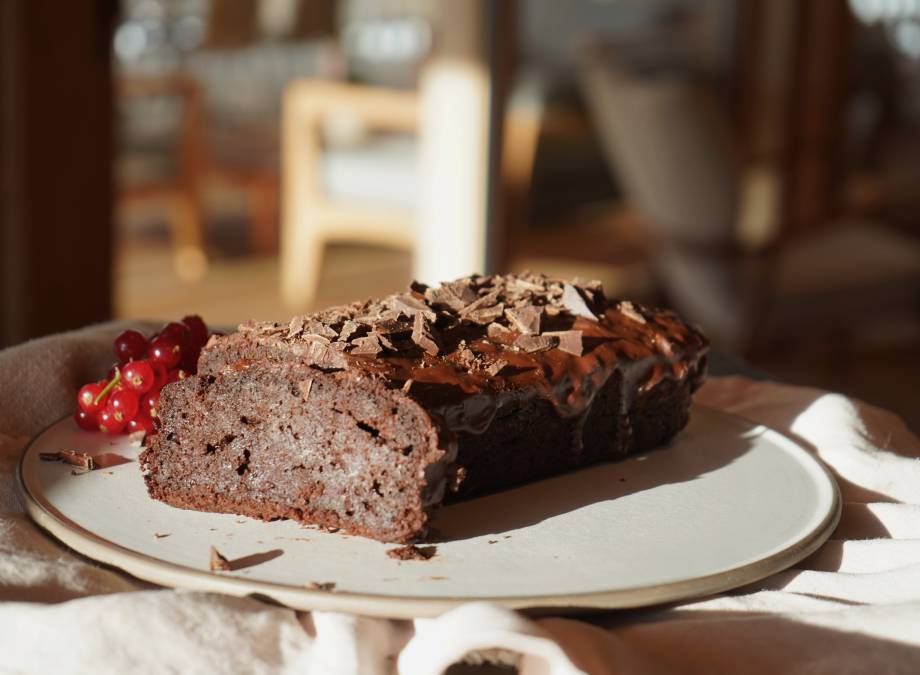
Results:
726 503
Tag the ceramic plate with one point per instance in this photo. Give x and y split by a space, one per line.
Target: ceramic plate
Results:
726 503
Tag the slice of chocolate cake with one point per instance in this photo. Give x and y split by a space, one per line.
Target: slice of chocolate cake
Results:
366 417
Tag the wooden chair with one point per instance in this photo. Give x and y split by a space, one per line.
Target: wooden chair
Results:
179 186
323 201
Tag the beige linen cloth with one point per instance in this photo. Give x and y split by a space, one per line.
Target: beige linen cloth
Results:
852 607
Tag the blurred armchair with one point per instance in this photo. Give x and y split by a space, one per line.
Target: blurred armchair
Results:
195 117
161 159
361 188
728 259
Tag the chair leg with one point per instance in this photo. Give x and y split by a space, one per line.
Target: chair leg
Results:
302 249
263 214
189 257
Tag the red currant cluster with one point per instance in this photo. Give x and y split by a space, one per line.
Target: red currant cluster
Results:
126 401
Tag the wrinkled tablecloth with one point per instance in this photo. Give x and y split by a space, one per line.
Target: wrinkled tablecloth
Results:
851 607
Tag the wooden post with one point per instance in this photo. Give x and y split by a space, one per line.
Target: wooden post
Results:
793 73
460 140
55 166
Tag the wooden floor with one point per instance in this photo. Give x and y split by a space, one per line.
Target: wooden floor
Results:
235 289
241 288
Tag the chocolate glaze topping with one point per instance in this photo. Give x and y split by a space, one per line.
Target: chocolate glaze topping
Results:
468 347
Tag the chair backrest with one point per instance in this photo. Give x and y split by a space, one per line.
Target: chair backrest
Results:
667 144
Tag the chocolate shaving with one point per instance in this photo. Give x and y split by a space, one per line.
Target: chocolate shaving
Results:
418 287
496 367
462 289
367 320
106 460
76 458
305 387
456 478
487 300
536 343
466 357
411 306
592 290
367 346
321 329
161 535
320 353
348 329
575 304
333 316
499 333
218 562
664 345
393 326
295 328
412 552
626 308
519 285
421 335
320 585
569 341
486 315
593 285
526 319
443 297
386 342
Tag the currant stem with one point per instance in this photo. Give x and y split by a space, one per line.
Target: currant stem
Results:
105 392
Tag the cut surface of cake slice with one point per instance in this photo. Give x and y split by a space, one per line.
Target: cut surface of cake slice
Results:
366 417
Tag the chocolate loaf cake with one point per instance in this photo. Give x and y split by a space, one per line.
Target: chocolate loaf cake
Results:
366 417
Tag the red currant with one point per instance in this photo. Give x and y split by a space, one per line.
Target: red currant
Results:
138 376
165 350
189 362
109 422
123 403
141 422
86 420
130 345
150 403
197 328
86 397
160 377
178 330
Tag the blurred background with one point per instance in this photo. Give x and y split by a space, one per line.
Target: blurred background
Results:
753 163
